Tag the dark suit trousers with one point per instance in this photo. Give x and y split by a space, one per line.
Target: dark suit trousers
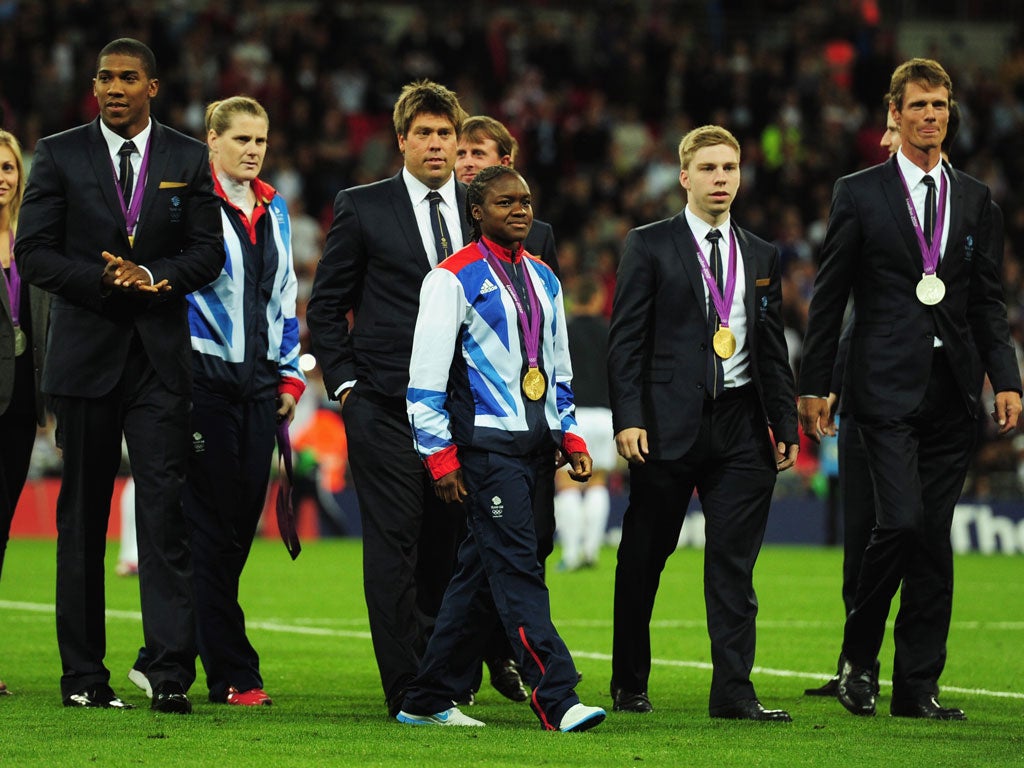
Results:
410 538
857 498
223 499
18 430
918 465
155 423
733 469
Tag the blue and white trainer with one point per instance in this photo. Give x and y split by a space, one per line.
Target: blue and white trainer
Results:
451 716
580 717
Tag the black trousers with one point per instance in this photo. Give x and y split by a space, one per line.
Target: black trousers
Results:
918 465
410 538
18 428
732 466
155 424
228 471
857 500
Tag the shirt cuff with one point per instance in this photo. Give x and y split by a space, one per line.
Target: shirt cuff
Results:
291 386
444 461
573 444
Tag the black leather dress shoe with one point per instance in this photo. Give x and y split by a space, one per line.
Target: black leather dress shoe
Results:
830 689
751 709
626 701
169 696
99 696
857 688
506 679
927 707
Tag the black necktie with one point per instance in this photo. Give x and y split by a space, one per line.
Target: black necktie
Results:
127 172
715 371
442 240
929 209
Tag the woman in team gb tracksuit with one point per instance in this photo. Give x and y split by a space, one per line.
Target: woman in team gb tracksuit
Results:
490 405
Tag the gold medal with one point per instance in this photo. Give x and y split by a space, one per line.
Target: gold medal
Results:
930 290
20 341
533 384
724 343
131 240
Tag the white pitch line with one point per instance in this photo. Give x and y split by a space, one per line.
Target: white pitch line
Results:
273 626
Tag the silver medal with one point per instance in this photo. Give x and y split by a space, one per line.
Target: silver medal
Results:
20 341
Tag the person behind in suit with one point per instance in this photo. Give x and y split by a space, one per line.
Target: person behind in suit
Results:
247 381
23 318
582 513
931 321
856 492
120 222
489 402
384 239
483 142
702 396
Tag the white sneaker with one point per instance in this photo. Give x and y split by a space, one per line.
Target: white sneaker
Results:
141 681
581 718
449 717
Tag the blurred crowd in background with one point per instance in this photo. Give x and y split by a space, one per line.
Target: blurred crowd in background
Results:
598 95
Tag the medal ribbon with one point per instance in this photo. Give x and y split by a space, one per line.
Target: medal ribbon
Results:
131 213
529 325
13 285
723 304
929 254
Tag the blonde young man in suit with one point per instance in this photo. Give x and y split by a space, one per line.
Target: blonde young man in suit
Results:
121 234
699 381
912 240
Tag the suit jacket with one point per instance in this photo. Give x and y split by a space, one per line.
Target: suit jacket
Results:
39 312
870 248
373 264
657 346
71 214
541 243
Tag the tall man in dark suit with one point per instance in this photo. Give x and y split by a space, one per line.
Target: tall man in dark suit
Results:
384 239
912 239
120 223
702 396
483 142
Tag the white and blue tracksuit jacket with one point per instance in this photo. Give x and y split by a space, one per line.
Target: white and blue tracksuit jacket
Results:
245 336
474 398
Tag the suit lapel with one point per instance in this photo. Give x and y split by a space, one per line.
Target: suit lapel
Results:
955 224
682 238
406 220
99 157
154 174
749 276
896 197
467 231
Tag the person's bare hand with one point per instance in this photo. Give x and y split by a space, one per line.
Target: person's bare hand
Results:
450 488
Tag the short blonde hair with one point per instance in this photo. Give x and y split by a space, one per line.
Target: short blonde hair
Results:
705 136
219 114
7 140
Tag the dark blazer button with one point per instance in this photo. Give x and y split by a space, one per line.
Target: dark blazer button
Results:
703 347
699 385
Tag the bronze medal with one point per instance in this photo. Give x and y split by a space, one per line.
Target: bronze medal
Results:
533 384
724 343
930 290
20 341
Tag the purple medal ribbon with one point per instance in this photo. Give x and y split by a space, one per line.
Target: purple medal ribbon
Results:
285 507
13 285
131 213
531 325
723 304
929 253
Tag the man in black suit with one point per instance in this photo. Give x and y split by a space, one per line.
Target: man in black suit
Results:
702 396
120 223
483 142
912 239
384 239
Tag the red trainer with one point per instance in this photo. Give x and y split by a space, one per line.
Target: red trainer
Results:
254 697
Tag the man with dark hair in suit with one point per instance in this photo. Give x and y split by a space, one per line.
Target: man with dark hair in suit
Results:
699 380
120 222
912 239
384 239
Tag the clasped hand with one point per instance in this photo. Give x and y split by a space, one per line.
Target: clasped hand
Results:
126 275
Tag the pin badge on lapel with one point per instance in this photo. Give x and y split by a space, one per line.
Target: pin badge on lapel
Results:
175 210
969 248
763 310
